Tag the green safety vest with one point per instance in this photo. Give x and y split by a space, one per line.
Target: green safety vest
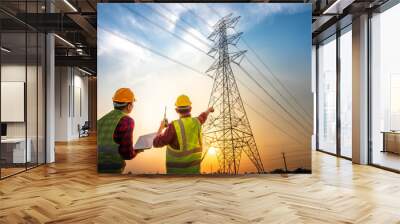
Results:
186 159
108 157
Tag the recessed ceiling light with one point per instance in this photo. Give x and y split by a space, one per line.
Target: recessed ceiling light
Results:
70 5
84 71
64 40
5 50
338 6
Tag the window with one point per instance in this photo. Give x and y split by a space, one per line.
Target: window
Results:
346 92
385 89
327 95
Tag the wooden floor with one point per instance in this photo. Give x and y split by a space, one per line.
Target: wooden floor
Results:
70 191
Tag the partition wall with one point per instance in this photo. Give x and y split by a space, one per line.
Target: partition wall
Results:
22 76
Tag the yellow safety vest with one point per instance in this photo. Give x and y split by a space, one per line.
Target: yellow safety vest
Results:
186 159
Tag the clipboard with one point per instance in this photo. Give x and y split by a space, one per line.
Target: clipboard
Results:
145 141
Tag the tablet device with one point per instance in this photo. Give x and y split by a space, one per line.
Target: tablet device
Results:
145 142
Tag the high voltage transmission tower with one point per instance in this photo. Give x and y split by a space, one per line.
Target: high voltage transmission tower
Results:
228 128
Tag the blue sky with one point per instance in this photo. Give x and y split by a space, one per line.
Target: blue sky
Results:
279 33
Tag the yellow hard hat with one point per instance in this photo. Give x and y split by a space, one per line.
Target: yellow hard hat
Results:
124 95
183 101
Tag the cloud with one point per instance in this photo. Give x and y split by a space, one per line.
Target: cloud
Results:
131 57
111 44
124 59
172 11
251 14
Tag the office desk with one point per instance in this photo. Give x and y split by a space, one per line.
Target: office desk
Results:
391 141
13 150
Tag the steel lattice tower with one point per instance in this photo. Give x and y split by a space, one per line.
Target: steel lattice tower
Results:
228 128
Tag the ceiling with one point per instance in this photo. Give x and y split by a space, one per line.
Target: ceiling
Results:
76 22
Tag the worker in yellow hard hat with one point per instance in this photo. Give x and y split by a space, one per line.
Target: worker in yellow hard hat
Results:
183 138
114 135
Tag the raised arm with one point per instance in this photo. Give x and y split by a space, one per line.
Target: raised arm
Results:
203 116
164 138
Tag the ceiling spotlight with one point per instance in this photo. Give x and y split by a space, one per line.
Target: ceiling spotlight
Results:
64 40
337 7
70 5
5 50
84 71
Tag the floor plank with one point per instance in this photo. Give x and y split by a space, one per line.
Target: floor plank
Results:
70 191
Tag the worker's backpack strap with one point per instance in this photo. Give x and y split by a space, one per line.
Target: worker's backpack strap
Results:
183 135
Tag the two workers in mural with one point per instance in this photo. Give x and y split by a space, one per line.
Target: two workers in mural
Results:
182 137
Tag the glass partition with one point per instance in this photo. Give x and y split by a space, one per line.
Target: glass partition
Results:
385 89
13 94
22 91
327 95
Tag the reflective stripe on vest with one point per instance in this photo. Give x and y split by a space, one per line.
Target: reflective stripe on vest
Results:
183 165
188 131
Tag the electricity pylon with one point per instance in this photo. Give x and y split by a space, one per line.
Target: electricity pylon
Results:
228 128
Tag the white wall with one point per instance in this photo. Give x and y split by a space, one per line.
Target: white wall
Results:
71 94
13 73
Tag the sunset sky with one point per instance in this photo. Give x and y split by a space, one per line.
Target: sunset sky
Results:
278 33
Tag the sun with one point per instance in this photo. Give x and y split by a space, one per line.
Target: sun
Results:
212 151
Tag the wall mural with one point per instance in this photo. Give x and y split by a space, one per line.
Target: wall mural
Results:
206 88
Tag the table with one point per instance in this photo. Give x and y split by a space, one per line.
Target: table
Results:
391 141
13 150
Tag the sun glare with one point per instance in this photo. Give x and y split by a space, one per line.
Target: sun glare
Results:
212 151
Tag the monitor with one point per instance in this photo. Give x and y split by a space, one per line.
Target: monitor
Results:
3 129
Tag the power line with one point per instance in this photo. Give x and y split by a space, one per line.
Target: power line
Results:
195 14
184 21
275 100
187 24
270 107
270 71
249 74
176 24
276 78
153 51
280 94
186 66
269 121
166 30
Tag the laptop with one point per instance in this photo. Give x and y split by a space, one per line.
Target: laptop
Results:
145 142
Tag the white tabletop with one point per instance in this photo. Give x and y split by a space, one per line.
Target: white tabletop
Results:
13 140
